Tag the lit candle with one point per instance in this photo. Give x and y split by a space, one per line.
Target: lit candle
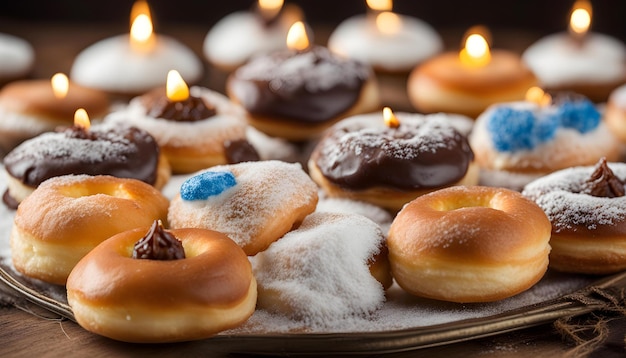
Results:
469 81
390 119
389 42
17 57
81 119
135 63
240 35
31 107
578 60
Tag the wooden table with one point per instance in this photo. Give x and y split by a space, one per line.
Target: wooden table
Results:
26 330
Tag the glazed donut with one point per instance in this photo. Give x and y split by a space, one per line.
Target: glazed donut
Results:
615 115
443 84
363 159
30 107
104 149
330 268
253 203
518 142
67 216
587 209
469 244
297 95
198 284
191 133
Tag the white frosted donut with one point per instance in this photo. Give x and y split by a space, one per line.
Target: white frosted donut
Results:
348 206
17 57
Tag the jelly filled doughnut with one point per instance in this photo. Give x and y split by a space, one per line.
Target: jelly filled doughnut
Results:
469 244
587 208
156 285
253 203
67 216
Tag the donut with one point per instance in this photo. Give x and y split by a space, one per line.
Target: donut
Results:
253 203
615 114
103 149
155 285
587 208
296 95
18 58
443 84
361 158
191 133
469 244
241 35
30 107
518 142
330 268
593 67
373 212
67 216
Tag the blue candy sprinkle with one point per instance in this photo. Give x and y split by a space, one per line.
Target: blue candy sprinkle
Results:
205 185
581 115
511 129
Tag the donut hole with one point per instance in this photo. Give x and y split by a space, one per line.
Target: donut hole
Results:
78 191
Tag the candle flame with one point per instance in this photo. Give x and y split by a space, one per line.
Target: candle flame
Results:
60 85
176 88
297 38
537 95
390 119
380 5
81 119
388 23
141 30
580 18
476 51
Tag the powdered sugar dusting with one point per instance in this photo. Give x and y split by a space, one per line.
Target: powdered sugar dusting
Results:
348 206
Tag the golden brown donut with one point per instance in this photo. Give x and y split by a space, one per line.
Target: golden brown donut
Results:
147 300
67 216
443 84
469 244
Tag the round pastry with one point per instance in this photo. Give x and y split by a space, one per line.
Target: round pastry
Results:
615 114
103 149
67 216
191 132
253 203
375 213
362 158
332 267
17 58
297 95
587 209
30 107
241 35
445 84
518 142
469 244
594 66
155 285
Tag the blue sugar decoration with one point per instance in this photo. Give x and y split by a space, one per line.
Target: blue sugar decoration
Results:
581 115
545 128
205 185
511 130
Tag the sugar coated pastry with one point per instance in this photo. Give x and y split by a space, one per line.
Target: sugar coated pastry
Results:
362 158
373 212
67 216
469 244
253 203
587 208
296 95
332 267
18 57
104 149
615 115
518 142
155 285
192 132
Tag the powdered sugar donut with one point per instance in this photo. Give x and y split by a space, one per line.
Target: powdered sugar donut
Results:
253 203
332 267
348 206
518 142
615 115
17 57
587 208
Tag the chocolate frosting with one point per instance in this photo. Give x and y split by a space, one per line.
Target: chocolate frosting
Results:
603 182
158 244
413 156
237 151
190 110
311 86
117 150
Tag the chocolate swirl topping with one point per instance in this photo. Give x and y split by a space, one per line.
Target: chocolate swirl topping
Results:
416 155
190 110
311 86
158 244
237 151
603 182
107 149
